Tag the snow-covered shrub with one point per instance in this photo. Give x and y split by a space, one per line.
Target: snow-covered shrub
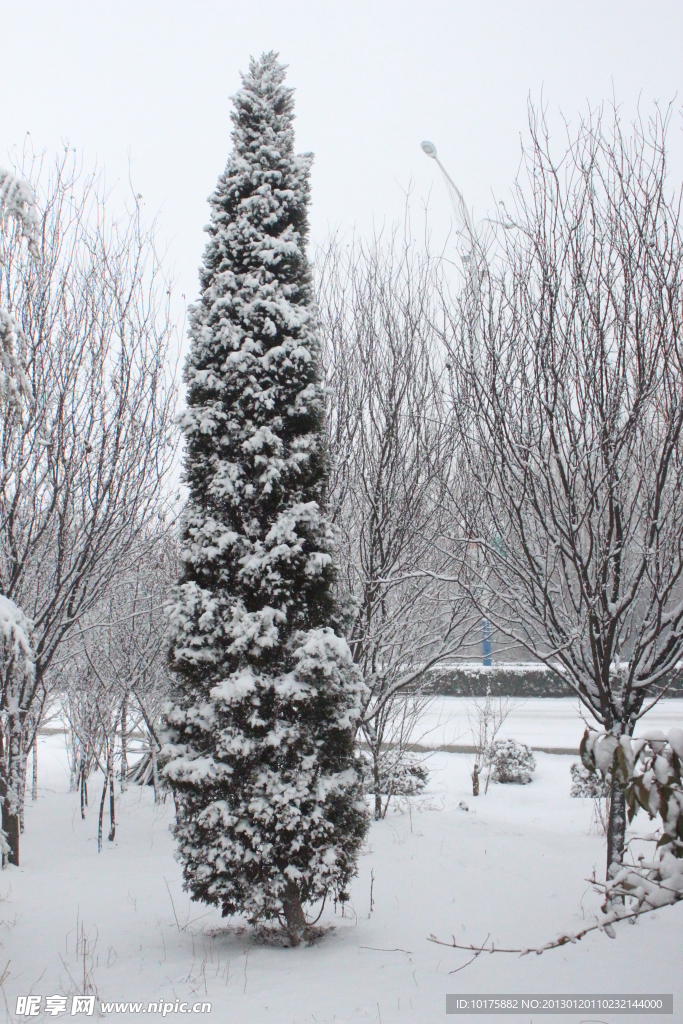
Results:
598 788
512 762
408 778
404 775
588 784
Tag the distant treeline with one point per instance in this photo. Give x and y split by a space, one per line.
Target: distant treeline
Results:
515 680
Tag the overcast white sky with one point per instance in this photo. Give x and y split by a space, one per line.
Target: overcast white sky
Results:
152 81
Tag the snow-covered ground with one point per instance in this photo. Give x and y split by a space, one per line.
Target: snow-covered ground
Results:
512 869
551 723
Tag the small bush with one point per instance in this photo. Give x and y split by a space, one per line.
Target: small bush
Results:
512 762
408 778
399 776
597 788
591 784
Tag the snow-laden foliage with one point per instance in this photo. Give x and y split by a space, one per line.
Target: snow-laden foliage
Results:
14 384
18 204
512 762
15 635
260 747
649 770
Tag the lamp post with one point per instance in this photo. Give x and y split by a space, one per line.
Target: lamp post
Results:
462 214
466 227
470 260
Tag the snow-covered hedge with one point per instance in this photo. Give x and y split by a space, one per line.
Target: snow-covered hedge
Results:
512 762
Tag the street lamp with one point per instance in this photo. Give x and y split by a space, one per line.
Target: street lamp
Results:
462 216
465 225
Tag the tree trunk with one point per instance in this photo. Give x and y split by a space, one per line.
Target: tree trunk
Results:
101 818
10 826
377 786
112 801
10 818
21 783
10 786
155 773
8 821
616 827
475 780
124 744
83 781
34 781
294 913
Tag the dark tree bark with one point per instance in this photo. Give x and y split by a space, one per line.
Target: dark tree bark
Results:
100 821
616 824
112 800
377 788
155 772
83 785
34 781
124 742
10 786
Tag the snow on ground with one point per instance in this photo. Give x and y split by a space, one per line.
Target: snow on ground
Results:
512 869
538 721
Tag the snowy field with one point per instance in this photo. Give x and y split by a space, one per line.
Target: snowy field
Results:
513 869
551 723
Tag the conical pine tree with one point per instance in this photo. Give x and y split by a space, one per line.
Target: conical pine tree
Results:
260 732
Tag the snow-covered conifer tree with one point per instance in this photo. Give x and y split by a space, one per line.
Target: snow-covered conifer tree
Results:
260 746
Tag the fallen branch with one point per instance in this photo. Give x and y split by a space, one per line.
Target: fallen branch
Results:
471 960
378 949
603 924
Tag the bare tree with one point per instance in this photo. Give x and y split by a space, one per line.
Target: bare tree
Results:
115 678
83 470
570 407
391 441
92 709
393 767
76 696
486 718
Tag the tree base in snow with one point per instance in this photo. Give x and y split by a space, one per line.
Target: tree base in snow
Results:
297 926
